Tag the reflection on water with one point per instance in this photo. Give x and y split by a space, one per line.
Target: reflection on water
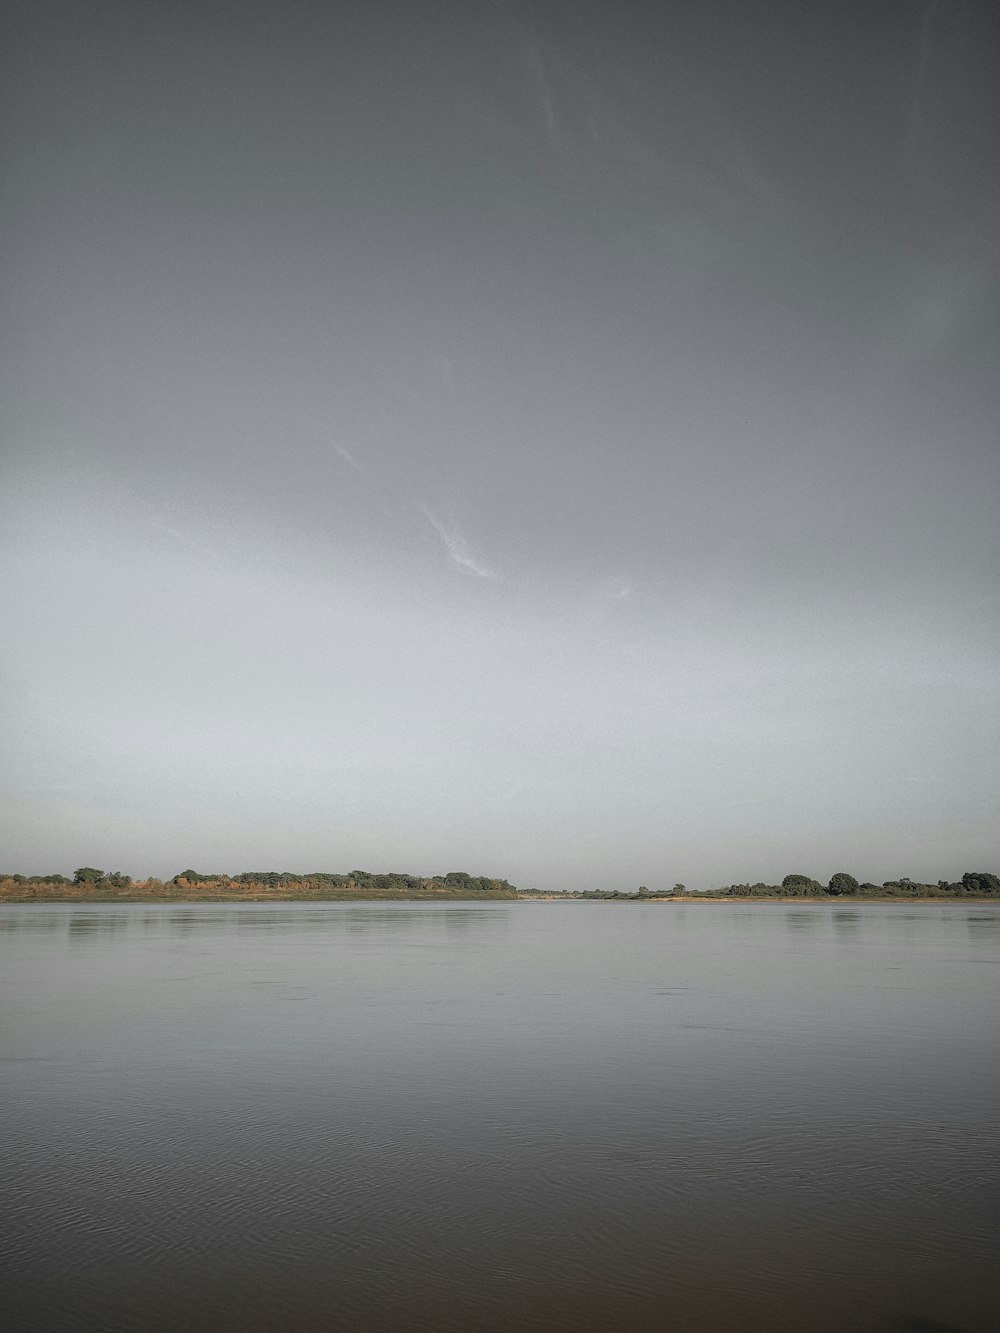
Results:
550 1117
104 924
805 918
196 920
982 925
846 922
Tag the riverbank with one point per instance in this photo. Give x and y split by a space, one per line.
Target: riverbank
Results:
774 899
444 896
270 896
89 885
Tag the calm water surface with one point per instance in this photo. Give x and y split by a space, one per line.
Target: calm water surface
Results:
544 1117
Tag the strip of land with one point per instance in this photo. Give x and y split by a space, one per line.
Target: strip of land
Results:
97 886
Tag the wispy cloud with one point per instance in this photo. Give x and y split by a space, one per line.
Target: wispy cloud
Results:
606 600
938 306
190 542
458 549
923 60
542 87
613 590
592 118
349 458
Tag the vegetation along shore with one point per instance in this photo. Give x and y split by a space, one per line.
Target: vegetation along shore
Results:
91 885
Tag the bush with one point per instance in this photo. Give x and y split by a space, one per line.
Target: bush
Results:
841 882
981 881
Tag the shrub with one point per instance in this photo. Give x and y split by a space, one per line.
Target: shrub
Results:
981 881
841 882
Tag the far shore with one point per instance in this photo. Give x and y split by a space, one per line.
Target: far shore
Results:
786 901
180 899
174 899
90 885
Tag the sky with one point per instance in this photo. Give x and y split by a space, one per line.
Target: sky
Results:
554 441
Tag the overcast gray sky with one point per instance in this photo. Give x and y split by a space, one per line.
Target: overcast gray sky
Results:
557 441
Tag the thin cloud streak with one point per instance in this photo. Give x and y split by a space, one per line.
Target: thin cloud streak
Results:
349 458
198 547
923 60
458 549
544 91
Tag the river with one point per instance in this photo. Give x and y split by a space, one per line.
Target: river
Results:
474 1118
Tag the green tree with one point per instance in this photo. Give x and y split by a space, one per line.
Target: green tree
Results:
981 881
87 875
800 886
841 882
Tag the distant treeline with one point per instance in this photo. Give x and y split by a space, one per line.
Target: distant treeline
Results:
88 881
973 884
